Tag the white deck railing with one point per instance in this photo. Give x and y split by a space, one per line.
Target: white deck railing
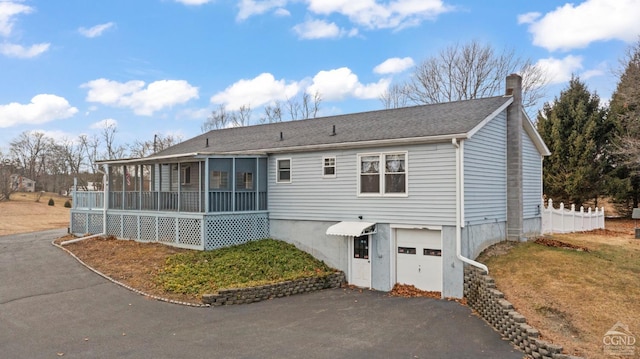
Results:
563 220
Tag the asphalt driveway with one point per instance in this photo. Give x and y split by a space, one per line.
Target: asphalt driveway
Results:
51 307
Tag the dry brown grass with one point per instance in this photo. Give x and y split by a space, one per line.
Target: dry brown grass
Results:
22 214
573 297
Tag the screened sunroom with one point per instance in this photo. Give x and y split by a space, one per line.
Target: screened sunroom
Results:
193 202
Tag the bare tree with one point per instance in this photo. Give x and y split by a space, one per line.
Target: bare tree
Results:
113 151
218 119
8 167
29 150
242 117
473 70
90 146
311 105
273 113
394 97
141 149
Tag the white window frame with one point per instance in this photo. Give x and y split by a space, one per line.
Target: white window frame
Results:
278 160
324 167
185 178
382 172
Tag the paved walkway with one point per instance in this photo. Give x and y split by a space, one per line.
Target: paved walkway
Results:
51 307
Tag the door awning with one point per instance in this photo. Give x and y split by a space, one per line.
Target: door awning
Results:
351 229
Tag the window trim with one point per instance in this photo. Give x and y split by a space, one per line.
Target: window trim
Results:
324 167
185 175
382 174
278 160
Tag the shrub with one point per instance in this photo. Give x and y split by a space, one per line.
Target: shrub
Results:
51 202
67 204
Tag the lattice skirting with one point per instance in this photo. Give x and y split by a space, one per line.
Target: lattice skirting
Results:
228 230
180 231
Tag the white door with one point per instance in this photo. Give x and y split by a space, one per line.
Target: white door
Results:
419 258
361 262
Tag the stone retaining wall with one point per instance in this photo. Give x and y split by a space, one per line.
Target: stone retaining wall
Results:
282 289
482 295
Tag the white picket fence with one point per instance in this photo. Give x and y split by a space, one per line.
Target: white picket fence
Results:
563 220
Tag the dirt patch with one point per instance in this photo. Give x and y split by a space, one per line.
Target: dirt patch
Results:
132 263
549 242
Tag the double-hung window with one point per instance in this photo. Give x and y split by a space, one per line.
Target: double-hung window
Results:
329 167
283 170
383 174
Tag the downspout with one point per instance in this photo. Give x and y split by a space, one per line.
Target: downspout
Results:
105 205
459 205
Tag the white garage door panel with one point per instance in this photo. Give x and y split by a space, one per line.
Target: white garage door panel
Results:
412 265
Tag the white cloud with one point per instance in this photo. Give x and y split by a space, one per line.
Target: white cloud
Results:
282 12
560 70
8 11
42 108
341 83
106 123
143 101
19 51
193 2
95 31
317 29
262 89
394 65
249 8
571 26
528 18
371 14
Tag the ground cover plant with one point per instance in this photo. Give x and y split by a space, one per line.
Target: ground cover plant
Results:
573 287
251 264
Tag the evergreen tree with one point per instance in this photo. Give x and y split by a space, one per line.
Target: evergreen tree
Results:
624 108
579 135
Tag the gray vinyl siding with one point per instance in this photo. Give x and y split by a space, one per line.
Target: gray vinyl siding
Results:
309 196
485 171
531 181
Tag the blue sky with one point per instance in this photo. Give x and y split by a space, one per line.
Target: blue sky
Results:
161 66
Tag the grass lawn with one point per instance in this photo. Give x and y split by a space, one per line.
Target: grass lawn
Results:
22 214
573 297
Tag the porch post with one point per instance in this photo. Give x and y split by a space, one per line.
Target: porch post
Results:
179 185
206 185
139 174
257 179
124 185
233 185
159 175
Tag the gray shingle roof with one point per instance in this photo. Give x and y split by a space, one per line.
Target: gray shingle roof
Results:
442 119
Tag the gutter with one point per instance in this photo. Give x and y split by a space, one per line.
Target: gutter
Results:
459 209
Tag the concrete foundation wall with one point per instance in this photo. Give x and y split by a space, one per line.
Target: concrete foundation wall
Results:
532 227
381 258
452 267
476 238
310 236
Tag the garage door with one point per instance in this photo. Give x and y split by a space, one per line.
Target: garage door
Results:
419 258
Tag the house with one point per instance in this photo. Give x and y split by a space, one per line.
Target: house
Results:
404 195
22 184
